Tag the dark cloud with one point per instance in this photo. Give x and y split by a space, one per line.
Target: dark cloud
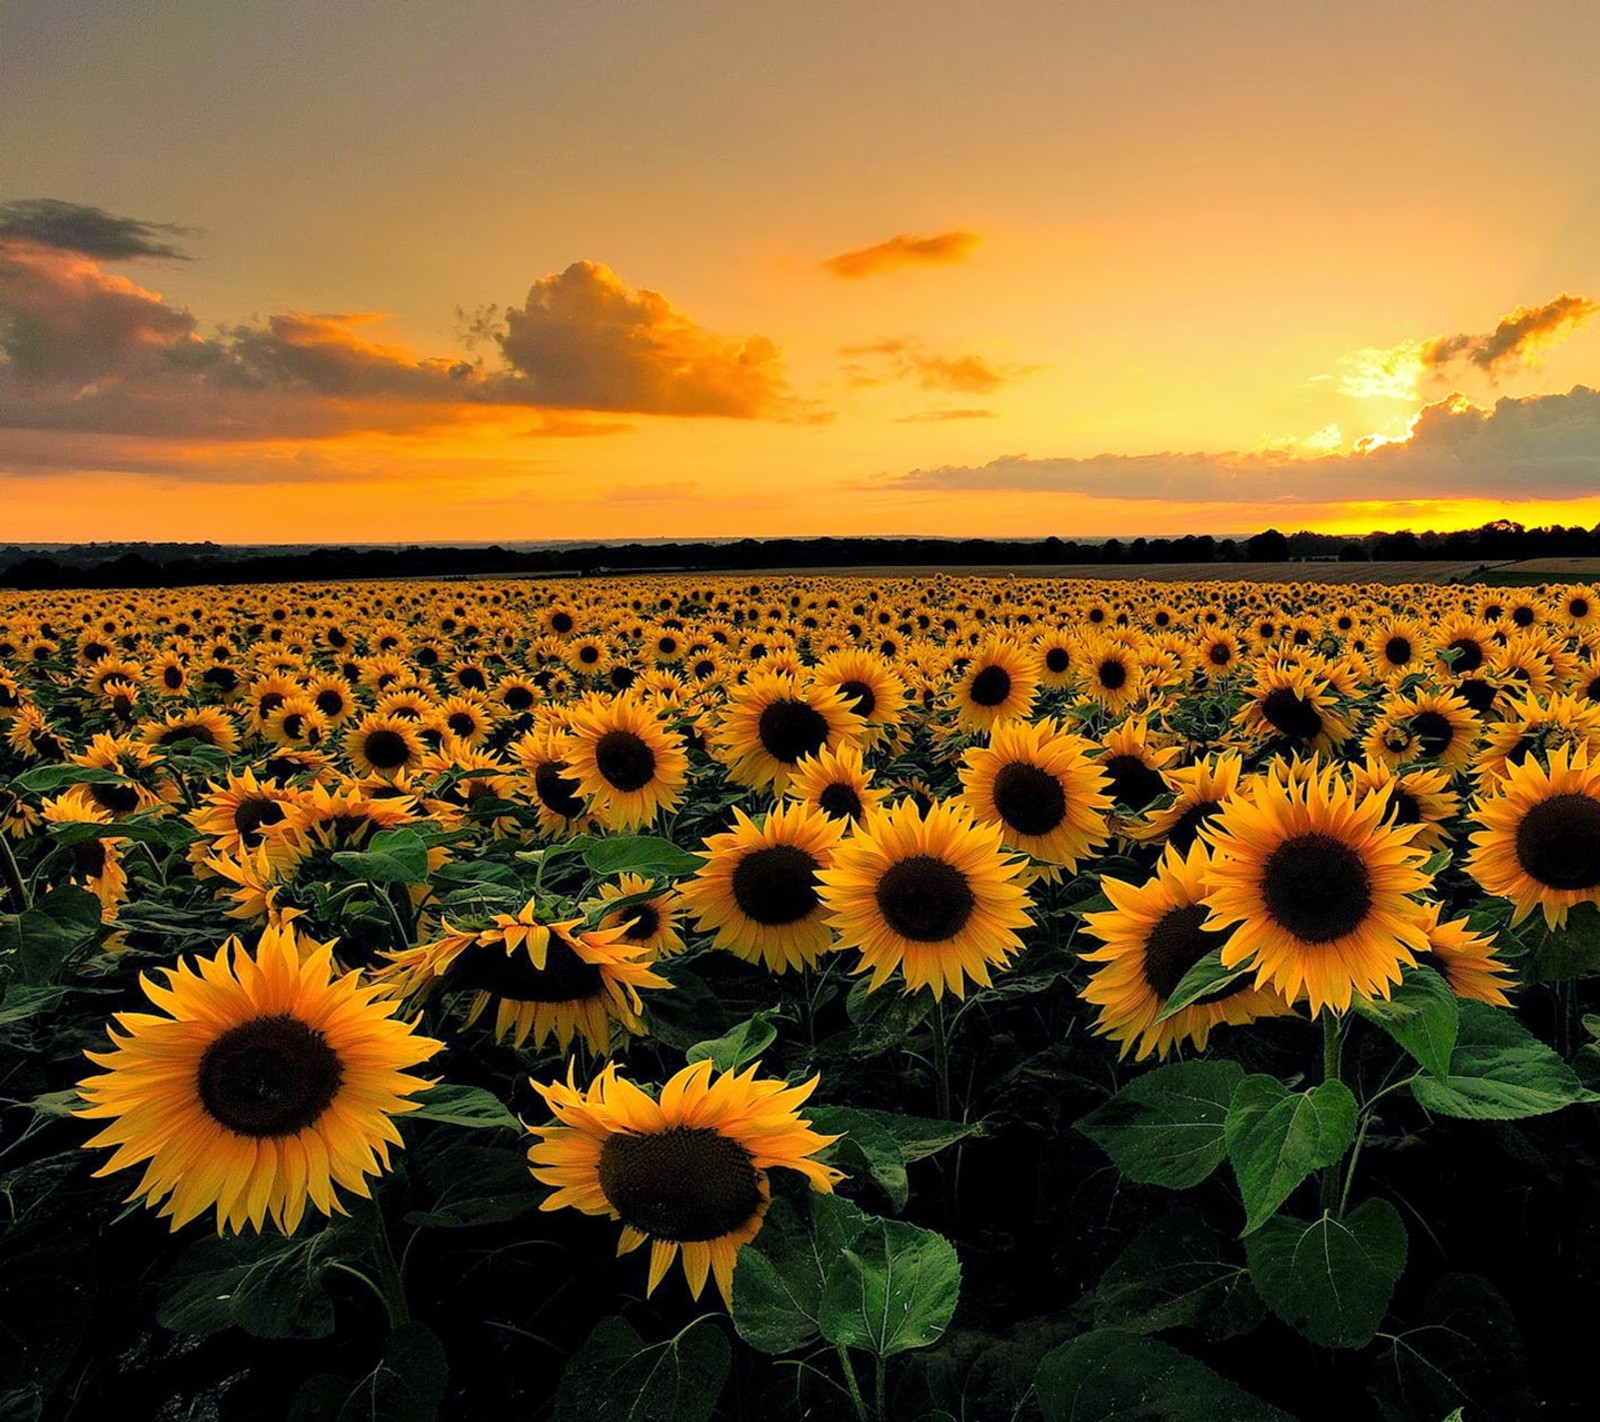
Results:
906 359
1541 447
902 251
89 231
1525 329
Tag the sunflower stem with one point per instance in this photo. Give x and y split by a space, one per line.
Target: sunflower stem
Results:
852 1383
880 1369
1332 1041
13 876
941 1059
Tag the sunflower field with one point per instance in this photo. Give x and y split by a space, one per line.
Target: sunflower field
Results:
680 998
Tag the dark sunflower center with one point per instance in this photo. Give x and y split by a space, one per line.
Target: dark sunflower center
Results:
645 925
556 791
1186 828
1479 695
791 729
624 760
294 724
1558 842
991 686
1221 654
1434 731
1057 660
1133 783
1406 808
1029 798
518 698
386 750
330 702
1113 674
688 1184
776 885
859 693
271 1076
1291 714
1578 607
1471 654
561 622
250 815
1317 887
118 799
839 801
188 730
461 724
925 899
1397 650
1523 616
89 858
1175 945
487 967
270 702
473 679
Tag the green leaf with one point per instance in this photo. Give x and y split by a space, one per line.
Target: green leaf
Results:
407 1385
743 1044
644 854
778 1277
37 943
48 779
1110 1376
867 1148
1277 1137
1560 954
268 1284
468 1179
1175 1274
464 1106
1167 1126
21 1003
142 830
1333 1278
1499 1071
398 856
1422 1016
922 1136
892 1288
1097 902
616 1377
1206 978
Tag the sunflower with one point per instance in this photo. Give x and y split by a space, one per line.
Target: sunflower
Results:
542 754
1059 656
1199 792
871 688
1217 653
1399 645
650 923
465 718
295 724
545 979
935 896
1153 935
205 724
999 683
836 782
1465 960
1434 726
237 815
774 721
383 745
758 889
1138 770
268 1082
1291 708
1315 885
1040 785
1532 728
95 864
1111 674
628 765
1540 842
687 1174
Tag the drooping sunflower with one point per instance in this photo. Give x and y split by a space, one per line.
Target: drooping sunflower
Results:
629 766
1466 960
545 980
1316 888
1039 783
1137 768
758 890
1540 842
687 1174
933 895
649 923
836 782
268 1082
1153 936
95 864
999 684
772 722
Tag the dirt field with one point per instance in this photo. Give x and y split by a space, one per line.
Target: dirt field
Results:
1389 573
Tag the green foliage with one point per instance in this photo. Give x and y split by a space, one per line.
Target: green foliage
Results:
407 1384
740 1046
1178 1273
617 1377
1422 1015
1208 976
1277 1137
36 944
398 856
894 1287
1167 1127
1499 1071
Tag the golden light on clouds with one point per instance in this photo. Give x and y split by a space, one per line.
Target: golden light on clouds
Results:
902 251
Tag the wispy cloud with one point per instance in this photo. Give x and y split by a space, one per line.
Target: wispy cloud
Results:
902 251
938 416
907 359
90 231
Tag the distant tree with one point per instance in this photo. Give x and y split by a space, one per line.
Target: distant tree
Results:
1268 547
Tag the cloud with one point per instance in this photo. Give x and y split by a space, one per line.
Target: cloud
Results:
1540 447
902 251
88 231
82 348
584 340
932 416
907 359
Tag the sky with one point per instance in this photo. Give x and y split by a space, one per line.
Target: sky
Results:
510 271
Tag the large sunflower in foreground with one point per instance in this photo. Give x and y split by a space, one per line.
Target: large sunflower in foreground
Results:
1540 842
1153 935
935 896
1040 785
269 1082
758 890
1316 885
686 1174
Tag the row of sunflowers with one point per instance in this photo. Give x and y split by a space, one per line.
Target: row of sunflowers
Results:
881 954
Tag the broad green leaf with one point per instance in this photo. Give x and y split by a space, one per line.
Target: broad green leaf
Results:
867 1148
921 1136
1111 1376
1174 1274
467 1178
20 1003
1207 977
37 943
894 1287
398 856
1277 1137
49 779
1422 1016
777 1283
142 830
1332 1278
1499 1071
639 854
464 1106
1167 1126
407 1384
742 1045
1572 951
616 1377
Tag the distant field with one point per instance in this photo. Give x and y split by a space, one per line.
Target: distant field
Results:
1396 572
1541 570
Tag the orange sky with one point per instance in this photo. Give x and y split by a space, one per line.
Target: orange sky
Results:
382 273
